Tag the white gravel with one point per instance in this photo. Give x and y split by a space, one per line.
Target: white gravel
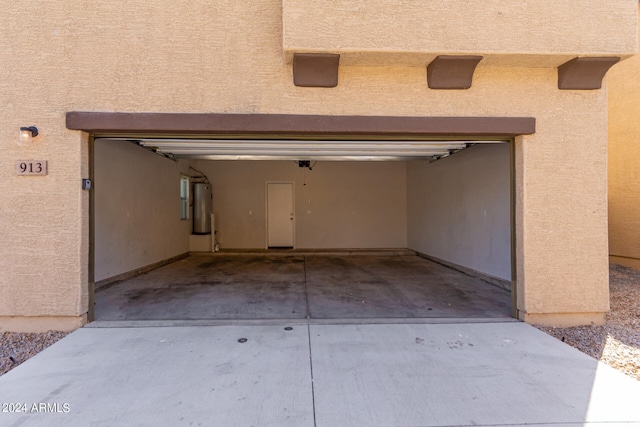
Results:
616 343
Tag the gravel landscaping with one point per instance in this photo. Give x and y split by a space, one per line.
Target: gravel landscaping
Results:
15 347
616 343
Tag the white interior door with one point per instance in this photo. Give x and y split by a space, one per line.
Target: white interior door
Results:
280 222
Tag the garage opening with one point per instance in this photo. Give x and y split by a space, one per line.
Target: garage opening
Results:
301 228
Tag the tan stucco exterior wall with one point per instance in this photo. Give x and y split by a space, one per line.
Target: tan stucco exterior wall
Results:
624 163
228 56
414 32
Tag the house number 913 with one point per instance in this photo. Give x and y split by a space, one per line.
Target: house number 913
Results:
31 167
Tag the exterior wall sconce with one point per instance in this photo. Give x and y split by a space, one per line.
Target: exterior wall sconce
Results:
27 133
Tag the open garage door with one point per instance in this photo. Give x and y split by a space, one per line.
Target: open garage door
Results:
448 201
282 149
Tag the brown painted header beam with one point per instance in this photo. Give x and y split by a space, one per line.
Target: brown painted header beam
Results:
296 125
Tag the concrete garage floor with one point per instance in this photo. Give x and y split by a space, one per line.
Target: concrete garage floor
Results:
236 287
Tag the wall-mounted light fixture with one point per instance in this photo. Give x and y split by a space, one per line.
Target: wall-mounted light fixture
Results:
27 133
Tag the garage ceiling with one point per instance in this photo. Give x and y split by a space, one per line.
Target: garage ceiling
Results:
296 149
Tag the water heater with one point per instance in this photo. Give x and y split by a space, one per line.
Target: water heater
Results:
201 208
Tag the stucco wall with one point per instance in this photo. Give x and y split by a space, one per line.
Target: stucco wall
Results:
459 209
527 33
137 209
337 204
624 163
227 56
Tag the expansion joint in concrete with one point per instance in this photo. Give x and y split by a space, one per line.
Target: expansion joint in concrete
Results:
306 294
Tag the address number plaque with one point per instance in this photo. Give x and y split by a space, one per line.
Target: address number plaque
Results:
31 167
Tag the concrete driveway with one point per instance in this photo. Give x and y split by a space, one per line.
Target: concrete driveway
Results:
303 373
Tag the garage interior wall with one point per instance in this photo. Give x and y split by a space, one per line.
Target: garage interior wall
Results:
137 205
338 205
459 209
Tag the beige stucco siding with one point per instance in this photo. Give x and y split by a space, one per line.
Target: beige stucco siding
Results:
43 256
624 163
563 212
542 32
228 56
